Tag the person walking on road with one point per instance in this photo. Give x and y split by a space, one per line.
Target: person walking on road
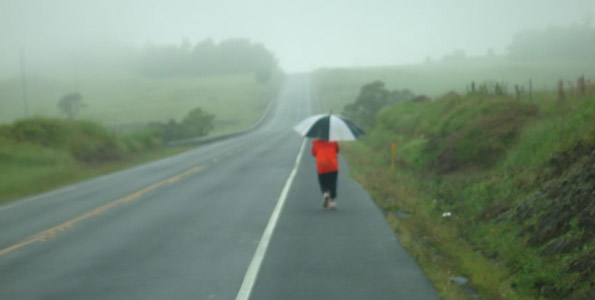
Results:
326 130
327 166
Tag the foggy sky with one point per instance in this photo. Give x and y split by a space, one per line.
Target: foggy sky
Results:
304 34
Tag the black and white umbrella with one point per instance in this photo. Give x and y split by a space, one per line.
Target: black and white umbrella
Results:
329 127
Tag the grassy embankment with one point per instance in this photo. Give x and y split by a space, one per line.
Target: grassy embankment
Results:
517 178
40 154
43 153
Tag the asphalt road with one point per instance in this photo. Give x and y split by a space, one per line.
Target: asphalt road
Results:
194 226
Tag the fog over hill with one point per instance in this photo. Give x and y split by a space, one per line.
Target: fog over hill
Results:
303 35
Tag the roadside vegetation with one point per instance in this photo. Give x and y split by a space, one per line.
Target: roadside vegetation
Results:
489 188
39 154
121 112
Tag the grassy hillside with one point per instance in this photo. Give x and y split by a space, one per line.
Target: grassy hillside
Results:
111 132
39 154
498 190
337 87
123 100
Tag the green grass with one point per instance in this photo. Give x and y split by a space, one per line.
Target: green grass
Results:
514 174
40 154
432 240
31 169
124 100
20 181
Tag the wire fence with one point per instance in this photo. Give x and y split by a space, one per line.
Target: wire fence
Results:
581 87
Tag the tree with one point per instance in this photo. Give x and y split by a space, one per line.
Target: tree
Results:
372 98
170 130
71 104
197 123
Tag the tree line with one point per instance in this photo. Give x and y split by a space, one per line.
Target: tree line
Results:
208 58
372 98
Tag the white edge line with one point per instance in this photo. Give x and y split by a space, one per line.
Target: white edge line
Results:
254 267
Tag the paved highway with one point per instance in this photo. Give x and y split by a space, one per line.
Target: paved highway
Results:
236 219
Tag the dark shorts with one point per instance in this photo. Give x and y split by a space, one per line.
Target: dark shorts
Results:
328 183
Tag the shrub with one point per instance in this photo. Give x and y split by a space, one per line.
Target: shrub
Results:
86 141
196 123
41 131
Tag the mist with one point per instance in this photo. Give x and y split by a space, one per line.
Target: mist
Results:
303 35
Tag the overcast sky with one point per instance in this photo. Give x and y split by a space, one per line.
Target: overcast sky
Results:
304 34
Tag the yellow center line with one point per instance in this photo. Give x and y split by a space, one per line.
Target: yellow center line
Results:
49 233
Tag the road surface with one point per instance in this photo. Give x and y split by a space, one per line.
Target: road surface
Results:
236 219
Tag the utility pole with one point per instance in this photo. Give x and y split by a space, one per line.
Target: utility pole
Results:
24 80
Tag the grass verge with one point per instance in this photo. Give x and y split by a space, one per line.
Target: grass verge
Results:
21 182
40 154
491 188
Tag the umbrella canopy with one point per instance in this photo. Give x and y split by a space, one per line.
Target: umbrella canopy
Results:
329 128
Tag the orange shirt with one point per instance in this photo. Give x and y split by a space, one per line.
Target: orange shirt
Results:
326 156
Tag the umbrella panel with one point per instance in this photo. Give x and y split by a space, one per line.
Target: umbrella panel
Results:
320 129
329 127
355 129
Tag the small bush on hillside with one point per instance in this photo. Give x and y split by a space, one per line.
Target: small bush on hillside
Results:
85 141
372 98
140 140
93 143
197 123
41 131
